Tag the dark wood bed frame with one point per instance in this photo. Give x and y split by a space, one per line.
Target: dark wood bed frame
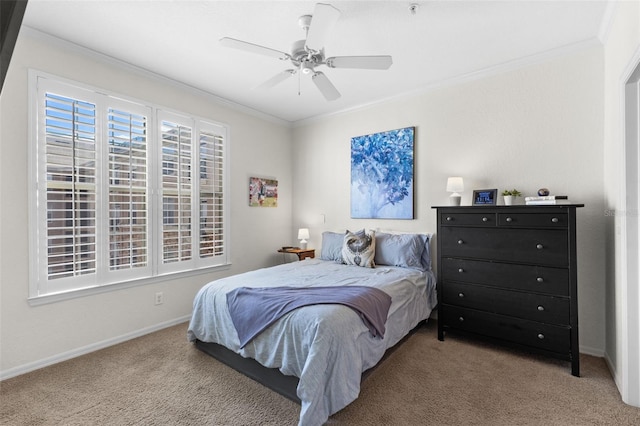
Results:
272 377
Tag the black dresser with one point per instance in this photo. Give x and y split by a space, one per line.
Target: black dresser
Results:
508 273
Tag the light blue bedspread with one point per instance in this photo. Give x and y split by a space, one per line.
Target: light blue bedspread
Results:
306 341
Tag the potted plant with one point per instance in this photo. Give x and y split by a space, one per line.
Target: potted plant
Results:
510 196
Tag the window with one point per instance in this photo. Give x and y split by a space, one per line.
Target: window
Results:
119 198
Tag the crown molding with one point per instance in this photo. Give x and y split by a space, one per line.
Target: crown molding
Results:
128 67
491 71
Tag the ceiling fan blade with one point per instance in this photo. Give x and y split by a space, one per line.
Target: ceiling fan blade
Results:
276 79
253 48
362 62
324 18
323 84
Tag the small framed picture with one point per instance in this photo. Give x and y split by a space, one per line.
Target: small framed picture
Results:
484 197
263 192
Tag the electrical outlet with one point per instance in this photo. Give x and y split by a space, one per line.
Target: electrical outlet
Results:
159 298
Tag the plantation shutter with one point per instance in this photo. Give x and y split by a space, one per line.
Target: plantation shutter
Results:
212 144
98 164
70 170
176 189
128 200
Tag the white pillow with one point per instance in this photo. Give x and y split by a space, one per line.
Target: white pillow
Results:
359 250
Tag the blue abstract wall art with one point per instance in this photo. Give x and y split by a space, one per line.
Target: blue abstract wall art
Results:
382 175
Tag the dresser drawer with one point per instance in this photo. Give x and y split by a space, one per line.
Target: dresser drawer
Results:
533 220
538 279
530 333
533 246
468 219
531 306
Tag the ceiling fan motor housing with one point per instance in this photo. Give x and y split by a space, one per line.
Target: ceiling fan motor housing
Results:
298 51
300 55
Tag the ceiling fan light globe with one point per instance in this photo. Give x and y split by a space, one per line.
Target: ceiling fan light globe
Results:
306 68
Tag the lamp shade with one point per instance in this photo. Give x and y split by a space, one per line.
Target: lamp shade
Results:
303 233
455 184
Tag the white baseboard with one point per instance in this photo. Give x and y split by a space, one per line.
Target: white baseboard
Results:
32 366
612 369
599 352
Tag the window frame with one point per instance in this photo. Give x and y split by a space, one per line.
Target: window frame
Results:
43 290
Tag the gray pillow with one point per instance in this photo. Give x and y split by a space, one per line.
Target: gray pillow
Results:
332 246
426 254
403 250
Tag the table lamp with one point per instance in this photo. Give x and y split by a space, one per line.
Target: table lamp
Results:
455 185
303 235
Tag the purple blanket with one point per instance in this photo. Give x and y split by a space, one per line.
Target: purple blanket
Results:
252 310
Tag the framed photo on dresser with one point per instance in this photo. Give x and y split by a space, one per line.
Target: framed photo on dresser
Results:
484 197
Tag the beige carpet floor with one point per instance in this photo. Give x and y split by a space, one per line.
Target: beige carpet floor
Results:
160 379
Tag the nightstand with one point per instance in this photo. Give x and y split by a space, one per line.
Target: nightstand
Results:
301 253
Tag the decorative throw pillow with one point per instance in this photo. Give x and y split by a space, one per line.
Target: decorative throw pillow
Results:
359 250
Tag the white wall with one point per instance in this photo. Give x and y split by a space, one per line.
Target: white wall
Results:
622 55
31 336
537 126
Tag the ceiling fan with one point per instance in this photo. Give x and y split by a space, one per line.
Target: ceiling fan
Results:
308 54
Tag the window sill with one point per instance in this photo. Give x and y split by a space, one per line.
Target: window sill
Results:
106 288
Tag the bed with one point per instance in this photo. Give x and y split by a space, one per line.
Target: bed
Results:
322 349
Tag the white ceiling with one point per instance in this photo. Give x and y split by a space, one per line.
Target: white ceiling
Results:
444 40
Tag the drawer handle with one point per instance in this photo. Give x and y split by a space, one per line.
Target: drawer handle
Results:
555 220
461 319
539 246
540 308
485 219
509 219
540 336
540 279
460 242
460 270
461 295
449 218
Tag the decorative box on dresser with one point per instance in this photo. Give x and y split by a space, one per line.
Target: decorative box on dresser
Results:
508 273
